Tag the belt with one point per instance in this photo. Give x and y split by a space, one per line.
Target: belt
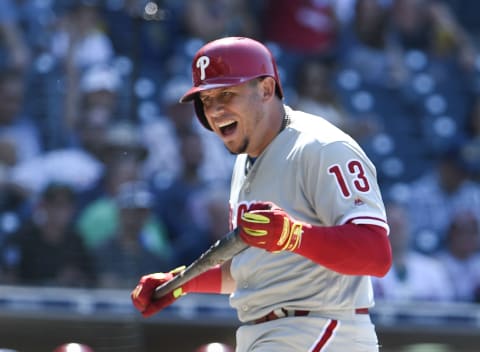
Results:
282 313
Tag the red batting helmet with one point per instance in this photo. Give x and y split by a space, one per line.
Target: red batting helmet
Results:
73 347
228 62
215 347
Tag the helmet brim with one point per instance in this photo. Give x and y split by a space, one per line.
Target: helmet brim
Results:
220 82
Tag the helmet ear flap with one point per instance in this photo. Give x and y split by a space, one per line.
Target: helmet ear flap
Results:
200 113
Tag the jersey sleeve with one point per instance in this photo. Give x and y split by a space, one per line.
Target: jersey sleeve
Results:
341 183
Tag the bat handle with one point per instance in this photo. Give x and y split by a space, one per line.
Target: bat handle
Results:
221 251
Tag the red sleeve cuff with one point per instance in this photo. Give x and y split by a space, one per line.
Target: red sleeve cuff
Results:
352 249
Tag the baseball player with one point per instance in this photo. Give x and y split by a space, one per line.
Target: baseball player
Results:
304 196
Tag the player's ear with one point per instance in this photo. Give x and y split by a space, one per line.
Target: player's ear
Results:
267 85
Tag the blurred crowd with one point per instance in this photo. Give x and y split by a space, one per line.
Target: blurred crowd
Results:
104 176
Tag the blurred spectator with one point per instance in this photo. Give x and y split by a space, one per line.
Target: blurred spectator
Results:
175 201
92 131
461 256
440 61
14 49
317 95
295 30
413 276
453 39
122 152
367 47
80 39
218 210
438 194
19 143
471 152
142 32
79 165
123 162
472 129
18 133
198 21
99 86
161 137
14 204
160 132
79 43
139 244
19 139
211 211
47 250
211 19
431 26
466 13
305 27
179 116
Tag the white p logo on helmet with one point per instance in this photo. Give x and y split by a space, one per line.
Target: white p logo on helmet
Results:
202 64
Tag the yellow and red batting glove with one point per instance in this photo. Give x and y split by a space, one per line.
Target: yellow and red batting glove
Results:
265 225
142 294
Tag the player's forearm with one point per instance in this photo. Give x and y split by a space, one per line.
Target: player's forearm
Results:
348 249
216 280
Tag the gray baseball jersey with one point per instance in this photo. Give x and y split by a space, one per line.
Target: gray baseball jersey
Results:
320 175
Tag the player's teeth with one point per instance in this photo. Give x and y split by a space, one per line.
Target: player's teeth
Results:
225 123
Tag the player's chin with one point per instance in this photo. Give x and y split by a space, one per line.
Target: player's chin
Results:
236 148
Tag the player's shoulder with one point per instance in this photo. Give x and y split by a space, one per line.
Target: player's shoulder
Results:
317 137
315 130
315 127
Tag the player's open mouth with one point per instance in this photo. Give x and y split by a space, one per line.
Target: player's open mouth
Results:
228 128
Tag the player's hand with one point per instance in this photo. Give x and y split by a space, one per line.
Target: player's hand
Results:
142 295
265 225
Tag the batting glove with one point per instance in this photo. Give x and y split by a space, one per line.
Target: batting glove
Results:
269 227
142 294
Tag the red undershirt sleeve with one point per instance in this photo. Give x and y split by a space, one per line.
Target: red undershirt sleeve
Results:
207 282
352 249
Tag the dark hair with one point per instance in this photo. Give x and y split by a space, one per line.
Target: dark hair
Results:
56 189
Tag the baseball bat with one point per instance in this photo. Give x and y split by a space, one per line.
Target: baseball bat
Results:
221 251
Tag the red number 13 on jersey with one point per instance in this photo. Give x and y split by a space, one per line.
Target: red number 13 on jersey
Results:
359 181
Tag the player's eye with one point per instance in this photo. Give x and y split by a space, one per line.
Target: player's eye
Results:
206 101
225 95
222 98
